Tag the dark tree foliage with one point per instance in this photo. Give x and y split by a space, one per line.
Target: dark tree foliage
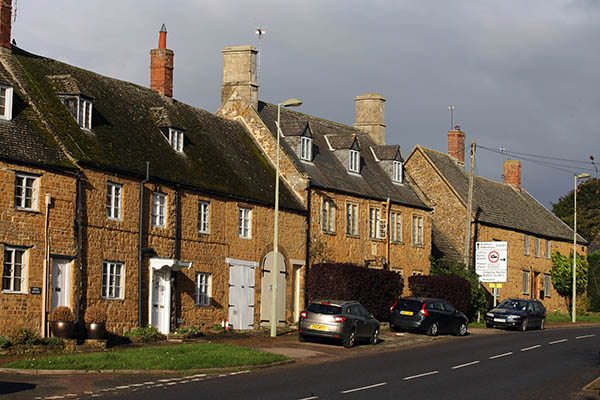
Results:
588 209
376 289
593 290
452 288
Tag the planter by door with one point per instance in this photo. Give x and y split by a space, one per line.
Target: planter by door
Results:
95 330
62 329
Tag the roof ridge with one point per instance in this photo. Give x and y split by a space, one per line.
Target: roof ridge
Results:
315 117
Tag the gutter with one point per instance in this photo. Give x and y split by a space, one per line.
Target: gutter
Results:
140 242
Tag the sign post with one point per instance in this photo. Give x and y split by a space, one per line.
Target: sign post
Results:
491 263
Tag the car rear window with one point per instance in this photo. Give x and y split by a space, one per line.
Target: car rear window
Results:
328 309
409 305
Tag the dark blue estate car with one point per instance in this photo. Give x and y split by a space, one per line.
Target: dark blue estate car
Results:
520 314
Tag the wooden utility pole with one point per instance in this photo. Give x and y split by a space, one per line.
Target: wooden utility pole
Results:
467 256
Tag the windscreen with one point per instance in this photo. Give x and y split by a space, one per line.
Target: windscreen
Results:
519 305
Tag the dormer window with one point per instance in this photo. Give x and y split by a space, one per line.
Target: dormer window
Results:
6 95
81 109
354 161
306 148
176 139
397 172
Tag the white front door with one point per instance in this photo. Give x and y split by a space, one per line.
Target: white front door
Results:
266 300
60 283
160 296
241 296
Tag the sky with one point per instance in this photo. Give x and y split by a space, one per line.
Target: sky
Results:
522 76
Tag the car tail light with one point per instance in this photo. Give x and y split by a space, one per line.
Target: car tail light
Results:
392 307
303 314
423 311
337 318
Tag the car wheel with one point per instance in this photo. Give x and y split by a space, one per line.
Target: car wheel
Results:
524 325
542 324
488 325
433 329
393 328
462 329
350 339
375 336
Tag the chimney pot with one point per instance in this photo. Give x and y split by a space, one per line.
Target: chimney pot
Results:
161 65
512 173
370 116
456 144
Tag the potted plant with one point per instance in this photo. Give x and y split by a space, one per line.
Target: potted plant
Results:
62 322
95 322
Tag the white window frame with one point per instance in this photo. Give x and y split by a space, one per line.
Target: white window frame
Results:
354 161
114 200
84 113
31 183
417 272
159 209
328 216
306 148
397 172
203 216
7 101
352 219
526 245
396 228
375 223
536 242
112 280
176 139
547 249
245 223
203 289
547 285
417 230
9 267
525 283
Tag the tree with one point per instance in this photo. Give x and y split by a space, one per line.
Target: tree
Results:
594 281
588 209
562 275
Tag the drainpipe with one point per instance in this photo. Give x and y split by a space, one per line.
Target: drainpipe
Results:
79 236
46 268
388 235
177 252
307 264
140 243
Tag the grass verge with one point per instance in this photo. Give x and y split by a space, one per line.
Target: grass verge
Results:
183 357
556 317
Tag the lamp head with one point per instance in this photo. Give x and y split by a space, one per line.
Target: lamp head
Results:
582 176
291 103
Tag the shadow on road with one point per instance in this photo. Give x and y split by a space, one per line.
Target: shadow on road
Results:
14 387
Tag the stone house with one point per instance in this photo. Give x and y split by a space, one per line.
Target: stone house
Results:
361 208
502 211
124 197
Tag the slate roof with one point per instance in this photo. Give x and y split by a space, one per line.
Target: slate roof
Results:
388 152
500 204
219 155
327 172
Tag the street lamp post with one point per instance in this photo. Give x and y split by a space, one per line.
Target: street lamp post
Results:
574 294
275 268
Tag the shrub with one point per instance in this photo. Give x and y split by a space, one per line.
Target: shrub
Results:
4 343
63 314
376 289
21 335
191 331
453 289
52 341
146 334
95 315
593 289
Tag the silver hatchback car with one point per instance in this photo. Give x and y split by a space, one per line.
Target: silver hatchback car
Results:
347 321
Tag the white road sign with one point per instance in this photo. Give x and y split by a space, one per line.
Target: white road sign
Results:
491 260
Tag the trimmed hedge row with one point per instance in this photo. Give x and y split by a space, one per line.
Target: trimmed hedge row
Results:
376 289
454 289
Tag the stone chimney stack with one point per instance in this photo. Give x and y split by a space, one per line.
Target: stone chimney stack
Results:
239 73
161 66
512 173
456 144
369 116
5 23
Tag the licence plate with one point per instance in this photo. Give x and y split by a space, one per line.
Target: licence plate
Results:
499 320
318 327
406 313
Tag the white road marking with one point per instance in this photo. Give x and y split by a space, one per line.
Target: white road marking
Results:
136 384
310 398
531 348
465 365
584 336
501 355
171 383
559 341
165 380
198 376
364 388
421 375
149 383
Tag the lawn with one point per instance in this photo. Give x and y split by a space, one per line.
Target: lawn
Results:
182 357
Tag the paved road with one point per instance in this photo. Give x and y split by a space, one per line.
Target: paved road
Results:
551 364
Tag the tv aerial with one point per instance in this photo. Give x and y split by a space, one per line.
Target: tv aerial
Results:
260 33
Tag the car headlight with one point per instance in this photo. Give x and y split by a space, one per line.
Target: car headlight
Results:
489 315
514 317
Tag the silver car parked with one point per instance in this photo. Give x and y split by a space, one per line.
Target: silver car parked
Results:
347 321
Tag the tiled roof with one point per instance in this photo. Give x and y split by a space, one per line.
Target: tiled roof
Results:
219 155
388 152
501 204
327 172
341 142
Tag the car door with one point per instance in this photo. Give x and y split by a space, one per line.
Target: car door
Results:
436 314
452 317
357 320
532 315
368 320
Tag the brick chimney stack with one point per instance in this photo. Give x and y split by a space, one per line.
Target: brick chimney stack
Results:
369 116
239 73
456 144
161 66
5 23
512 173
